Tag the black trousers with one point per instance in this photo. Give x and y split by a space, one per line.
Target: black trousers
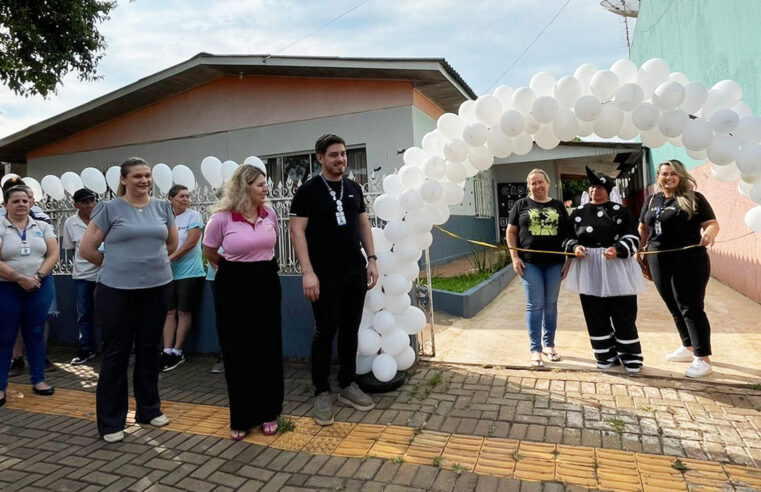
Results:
618 341
128 317
247 300
339 308
681 278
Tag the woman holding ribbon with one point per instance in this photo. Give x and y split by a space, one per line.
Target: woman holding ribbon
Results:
539 222
606 275
674 221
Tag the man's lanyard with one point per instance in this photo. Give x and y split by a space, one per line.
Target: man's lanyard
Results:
340 217
658 209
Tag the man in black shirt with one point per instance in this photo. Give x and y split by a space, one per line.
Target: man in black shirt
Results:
329 227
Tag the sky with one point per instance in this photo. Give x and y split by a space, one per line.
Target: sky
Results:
479 39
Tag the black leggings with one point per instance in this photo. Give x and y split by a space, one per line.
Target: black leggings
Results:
681 278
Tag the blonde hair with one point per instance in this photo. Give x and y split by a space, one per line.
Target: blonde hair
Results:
125 168
685 191
541 172
235 195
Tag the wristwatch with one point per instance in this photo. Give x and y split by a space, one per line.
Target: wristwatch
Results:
372 257
40 275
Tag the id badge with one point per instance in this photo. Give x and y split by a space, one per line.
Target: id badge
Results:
26 250
340 219
658 229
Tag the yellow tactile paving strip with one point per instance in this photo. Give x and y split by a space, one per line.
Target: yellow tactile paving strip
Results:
593 468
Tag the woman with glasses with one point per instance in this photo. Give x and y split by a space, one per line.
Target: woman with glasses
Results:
673 218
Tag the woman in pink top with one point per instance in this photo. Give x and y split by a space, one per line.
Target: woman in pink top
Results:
247 301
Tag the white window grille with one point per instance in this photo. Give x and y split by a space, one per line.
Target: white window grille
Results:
483 195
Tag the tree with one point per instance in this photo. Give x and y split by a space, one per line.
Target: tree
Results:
43 40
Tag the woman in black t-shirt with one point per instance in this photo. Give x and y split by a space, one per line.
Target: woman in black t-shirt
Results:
539 222
675 217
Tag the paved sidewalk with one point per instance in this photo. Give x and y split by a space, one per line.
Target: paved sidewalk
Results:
642 424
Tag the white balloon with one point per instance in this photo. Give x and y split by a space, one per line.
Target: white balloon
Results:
544 109
673 122
456 172
545 137
7 177
112 177
384 368
695 96
586 128
379 240
395 285
750 178
532 126
522 144
629 96
742 109
567 91
93 179
431 191
387 207
475 134
434 167
412 176
394 341
410 200
455 150
657 68
405 359
385 321
414 156
748 160
609 122
627 131
698 134
487 109
465 111
584 75
387 265
749 129
505 94
481 158
408 250
412 321
367 318
542 83
396 231
753 219
368 342
410 271
53 187
35 187
498 143
424 240
668 95
522 99
724 121
433 142
604 85
729 89
438 212
698 155
396 304
716 101
647 82
71 182
625 69
162 176
228 169
725 173
723 150
755 193
676 141
453 194
420 221
470 171
566 125
743 188
645 116
211 170
512 123
653 138
375 299
678 77
450 125
252 160
182 175
364 363
392 185
587 108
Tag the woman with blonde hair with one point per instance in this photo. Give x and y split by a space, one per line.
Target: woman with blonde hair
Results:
675 217
247 301
539 222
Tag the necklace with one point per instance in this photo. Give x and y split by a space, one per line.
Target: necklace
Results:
340 217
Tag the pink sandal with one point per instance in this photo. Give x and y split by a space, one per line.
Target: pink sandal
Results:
237 435
269 428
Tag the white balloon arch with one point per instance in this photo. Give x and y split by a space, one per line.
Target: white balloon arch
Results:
624 101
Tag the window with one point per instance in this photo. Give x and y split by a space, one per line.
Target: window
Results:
300 167
483 195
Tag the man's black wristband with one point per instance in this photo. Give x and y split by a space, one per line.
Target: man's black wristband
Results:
372 257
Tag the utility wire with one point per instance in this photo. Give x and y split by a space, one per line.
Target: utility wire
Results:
529 46
319 28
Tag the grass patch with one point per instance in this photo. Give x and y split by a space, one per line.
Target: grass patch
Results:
285 424
460 283
617 425
436 461
753 386
679 465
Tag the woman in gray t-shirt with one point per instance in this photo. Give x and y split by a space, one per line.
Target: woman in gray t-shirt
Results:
131 298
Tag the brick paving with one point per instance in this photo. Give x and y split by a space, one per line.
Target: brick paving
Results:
576 410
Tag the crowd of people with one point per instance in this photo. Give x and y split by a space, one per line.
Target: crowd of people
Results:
604 254
138 271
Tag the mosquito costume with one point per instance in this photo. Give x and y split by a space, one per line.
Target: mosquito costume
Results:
608 288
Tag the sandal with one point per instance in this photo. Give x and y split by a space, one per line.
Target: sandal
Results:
553 356
536 363
237 435
269 428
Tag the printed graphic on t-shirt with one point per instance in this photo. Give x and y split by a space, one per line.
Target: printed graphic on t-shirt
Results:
543 221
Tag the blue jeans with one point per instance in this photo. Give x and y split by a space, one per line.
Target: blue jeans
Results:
85 293
541 284
27 310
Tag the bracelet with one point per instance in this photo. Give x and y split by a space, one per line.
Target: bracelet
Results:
40 275
372 257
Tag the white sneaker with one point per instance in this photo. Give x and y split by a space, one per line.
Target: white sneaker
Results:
114 436
698 369
682 354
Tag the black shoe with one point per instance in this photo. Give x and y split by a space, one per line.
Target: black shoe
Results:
82 357
43 392
174 361
219 366
164 360
17 367
2 401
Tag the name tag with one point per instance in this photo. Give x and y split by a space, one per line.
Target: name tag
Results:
340 218
25 249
